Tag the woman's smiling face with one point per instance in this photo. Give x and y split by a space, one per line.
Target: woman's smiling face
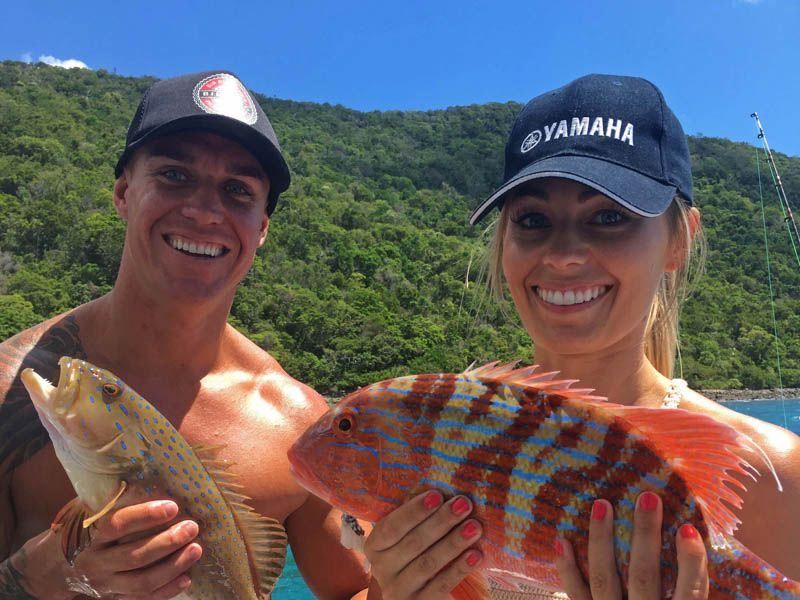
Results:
582 270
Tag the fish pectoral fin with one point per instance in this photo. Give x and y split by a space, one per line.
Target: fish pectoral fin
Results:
89 520
69 523
473 587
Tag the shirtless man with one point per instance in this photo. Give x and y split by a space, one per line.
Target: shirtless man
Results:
197 182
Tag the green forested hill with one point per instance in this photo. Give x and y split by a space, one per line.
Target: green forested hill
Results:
370 269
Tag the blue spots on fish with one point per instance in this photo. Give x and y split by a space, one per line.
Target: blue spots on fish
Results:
91 399
172 470
123 445
108 407
186 487
119 427
166 455
140 436
155 420
179 455
123 409
172 439
158 442
140 476
197 484
185 471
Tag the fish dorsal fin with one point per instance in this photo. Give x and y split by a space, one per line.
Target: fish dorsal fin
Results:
528 377
702 450
265 538
69 523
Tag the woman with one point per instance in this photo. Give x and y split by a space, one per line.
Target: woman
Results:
594 241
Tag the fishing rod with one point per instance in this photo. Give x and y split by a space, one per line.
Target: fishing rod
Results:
788 216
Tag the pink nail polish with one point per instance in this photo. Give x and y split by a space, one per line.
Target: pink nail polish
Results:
648 501
432 500
461 506
598 510
558 547
688 532
473 558
469 530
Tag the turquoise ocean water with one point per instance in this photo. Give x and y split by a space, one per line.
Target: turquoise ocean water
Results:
785 413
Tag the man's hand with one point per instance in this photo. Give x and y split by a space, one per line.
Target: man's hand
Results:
153 566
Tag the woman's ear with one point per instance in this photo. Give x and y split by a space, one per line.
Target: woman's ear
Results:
680 252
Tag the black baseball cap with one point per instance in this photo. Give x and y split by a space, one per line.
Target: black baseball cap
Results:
615 134
214 101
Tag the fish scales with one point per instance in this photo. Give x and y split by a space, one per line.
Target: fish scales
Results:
533 454
105 433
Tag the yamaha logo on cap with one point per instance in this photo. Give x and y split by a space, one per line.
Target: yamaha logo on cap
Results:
223 94
530 141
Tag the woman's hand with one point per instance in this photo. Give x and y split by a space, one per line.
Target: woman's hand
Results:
644 576
422 549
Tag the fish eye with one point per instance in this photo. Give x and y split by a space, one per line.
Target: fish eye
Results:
345 425
112 390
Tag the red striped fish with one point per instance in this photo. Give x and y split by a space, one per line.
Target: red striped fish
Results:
533 454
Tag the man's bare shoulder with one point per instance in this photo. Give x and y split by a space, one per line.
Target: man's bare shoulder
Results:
38 347
297 403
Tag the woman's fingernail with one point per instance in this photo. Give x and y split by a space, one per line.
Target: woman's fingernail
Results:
184 582
469 530
169 507
598 510
688 532
558 547
432 500
648 501
461 506
473 558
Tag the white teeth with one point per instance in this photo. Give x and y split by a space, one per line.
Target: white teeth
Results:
193 248
570 297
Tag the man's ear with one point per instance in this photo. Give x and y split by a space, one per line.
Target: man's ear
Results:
262 236
120 196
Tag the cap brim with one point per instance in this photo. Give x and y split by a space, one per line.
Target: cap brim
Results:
636 192
267 154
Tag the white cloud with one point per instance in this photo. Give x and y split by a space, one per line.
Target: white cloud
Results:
70 63
27 58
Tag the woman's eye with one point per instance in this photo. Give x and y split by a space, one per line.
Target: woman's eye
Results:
531 220
608 217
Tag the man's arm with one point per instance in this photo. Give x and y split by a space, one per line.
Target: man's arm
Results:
12 581
330 570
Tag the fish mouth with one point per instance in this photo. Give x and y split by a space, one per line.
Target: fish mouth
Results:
47 397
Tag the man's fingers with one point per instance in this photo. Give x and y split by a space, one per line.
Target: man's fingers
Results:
692 583
144 582
134 519
644 574
146 551
571 576
396 525
603 578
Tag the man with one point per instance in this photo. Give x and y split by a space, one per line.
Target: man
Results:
198 179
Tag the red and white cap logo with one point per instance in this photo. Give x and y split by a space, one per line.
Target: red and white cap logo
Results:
223 94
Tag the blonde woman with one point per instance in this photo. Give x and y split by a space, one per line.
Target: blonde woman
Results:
594 240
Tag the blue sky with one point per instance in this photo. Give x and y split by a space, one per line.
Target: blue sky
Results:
715 60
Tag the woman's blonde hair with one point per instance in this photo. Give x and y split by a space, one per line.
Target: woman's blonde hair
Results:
661 333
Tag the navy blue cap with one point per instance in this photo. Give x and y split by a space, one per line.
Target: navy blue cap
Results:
613 133
214 101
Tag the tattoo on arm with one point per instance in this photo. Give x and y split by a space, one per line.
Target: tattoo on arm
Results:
11 583
21 433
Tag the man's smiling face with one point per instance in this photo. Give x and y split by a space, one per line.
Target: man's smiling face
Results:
195 204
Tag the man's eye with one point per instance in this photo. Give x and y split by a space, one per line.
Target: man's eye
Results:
174 175
531 220
238 188
608 217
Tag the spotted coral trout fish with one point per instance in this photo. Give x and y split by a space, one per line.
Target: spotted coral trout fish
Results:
117 450
533 454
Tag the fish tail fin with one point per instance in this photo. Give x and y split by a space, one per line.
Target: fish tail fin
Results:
473 587
735 572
